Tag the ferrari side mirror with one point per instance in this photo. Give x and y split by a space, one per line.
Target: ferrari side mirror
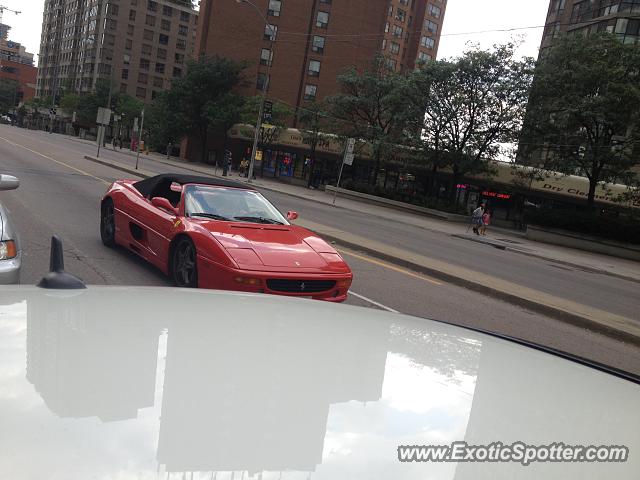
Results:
165 204
291 215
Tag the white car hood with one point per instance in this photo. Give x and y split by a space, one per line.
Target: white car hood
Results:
144 383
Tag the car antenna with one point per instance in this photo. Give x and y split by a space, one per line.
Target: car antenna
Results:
57 278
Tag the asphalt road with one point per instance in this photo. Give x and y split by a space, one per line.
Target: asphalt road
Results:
60 193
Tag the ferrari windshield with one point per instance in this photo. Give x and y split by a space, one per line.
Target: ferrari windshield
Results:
230 204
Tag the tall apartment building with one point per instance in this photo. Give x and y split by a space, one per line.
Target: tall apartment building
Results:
312 41
590 16
141 45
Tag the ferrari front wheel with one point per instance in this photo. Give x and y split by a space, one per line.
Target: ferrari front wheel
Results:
183 264
108 223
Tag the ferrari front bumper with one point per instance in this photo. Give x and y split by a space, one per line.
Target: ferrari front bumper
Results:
215 276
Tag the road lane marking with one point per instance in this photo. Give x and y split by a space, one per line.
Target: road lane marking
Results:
56 161
373 302
389 266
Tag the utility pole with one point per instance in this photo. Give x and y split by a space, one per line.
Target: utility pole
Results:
140 139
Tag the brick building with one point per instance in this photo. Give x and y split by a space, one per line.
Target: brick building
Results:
17 64
140 44
315 40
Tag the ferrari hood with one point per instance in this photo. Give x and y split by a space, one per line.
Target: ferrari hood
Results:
256 246
143 383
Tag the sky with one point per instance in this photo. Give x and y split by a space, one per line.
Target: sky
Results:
462 16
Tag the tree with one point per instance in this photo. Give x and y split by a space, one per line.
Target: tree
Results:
315 120
195 101
584 110
483 106
370 107
8 94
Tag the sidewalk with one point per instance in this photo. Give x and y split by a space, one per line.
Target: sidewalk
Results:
505 239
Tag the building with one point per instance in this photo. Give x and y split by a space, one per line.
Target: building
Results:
141 45
590 16
312 41
17 64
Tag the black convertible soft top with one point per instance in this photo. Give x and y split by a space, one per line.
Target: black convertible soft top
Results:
162 183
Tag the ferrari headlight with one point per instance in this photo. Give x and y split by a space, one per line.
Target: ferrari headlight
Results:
8 250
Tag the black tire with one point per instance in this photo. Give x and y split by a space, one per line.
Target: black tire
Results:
108 223
184 269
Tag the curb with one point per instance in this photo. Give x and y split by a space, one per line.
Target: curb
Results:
538 307
117 166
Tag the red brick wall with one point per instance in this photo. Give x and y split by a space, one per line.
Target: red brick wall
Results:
25 75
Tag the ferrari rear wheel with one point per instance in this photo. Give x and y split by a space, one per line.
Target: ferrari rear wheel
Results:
183 264
108 223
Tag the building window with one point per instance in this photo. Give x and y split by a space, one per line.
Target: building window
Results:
125 73
394 47
158 82
270 32
434 11
159 67
128 44
179 58
266 56
322 20
130 29
427 42
274 8
177 72
151 21
401 15
386 27
144 64
431 26
391 10
397 31
390 63
326 2
143 78
263 82
318 44
148 35
404 2
132 15
184 16
314 68
146 49
167 10
384 44
141 92
181 44
163 39
126 59
183 30
165 25
152 6
161 54
423 57
310 92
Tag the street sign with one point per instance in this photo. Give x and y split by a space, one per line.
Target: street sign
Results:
267 112
135 124
348 159
351 144
104 116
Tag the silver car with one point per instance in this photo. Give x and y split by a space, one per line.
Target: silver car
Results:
10 252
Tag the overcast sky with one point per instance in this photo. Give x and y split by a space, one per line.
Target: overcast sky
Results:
462 16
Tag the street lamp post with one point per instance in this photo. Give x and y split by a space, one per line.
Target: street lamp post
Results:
272 38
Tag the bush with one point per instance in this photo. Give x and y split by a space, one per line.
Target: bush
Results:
623 228
405 197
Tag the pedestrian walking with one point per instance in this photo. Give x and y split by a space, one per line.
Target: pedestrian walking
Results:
169 149
486 220
476 218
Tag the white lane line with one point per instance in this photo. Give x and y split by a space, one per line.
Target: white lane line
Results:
373 302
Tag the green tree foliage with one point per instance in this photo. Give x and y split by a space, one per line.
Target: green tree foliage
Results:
583 115
315 122
8 89
200 101
370 107
473 105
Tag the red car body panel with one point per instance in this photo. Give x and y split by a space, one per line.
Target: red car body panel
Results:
228 251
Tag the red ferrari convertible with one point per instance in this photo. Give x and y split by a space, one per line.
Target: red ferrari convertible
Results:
213 233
